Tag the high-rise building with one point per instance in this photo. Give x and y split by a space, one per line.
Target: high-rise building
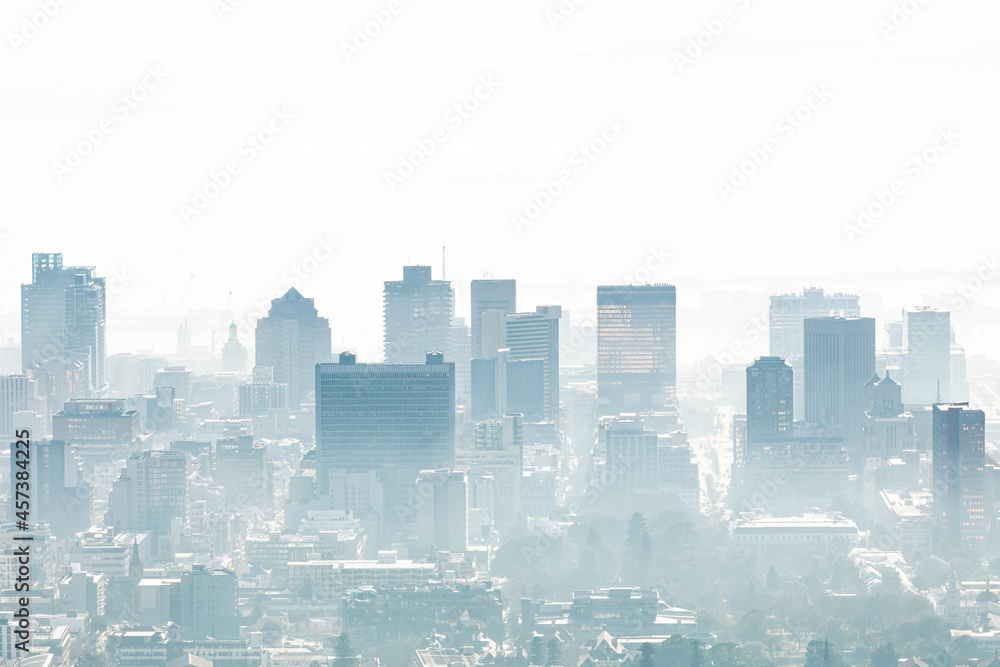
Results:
769 400
418 313
149 493
292 339
58 494
631 454
789 311
839 360
63 318
927 359
17 393
636 347
498 295
534 337
442 519
959 484
241 468
395 419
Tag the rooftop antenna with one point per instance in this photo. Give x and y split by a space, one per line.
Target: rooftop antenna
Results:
443 274
939 391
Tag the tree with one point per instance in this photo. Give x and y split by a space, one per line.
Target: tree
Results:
772 579
885 655
305 590
822 654
646 653
343 652
753 626
697 651
92 659
536 651
554 652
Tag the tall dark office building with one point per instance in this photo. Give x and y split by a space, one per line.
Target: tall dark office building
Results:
769 400
959 484
394 419
292 339
839 360
499 295
418 315
63 317
789 311
927 362
636 347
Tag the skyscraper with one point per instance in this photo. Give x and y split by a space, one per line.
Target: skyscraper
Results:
927 360
636 347
789 311
959 485
534 337
292 339
499 295
63 317
839 360
149 493
395 419
769 400
418 315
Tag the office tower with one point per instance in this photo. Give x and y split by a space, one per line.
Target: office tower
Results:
264 401
234 354
534 337
63 318
526 390
769 400
636 347
630 454
177 377
208 603
150 492
17 393
959 485
789 311
484 389
292 339
839 360
927 359
395 419
498 295
58 494
442 519
242 470
418 313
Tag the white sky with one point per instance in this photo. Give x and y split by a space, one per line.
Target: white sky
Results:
654 188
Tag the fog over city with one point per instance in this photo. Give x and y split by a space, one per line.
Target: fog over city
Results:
557 333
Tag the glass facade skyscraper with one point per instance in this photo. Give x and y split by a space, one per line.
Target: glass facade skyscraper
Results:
636 347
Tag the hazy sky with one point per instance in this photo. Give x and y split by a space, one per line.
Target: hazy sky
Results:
331 122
